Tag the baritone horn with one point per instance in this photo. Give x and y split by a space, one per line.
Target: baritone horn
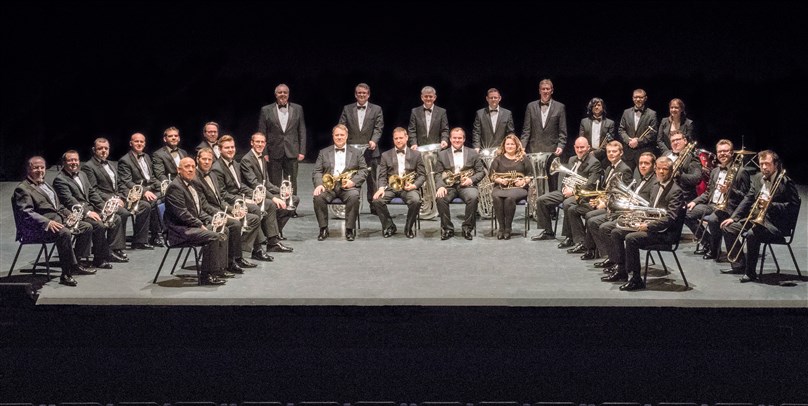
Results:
572 179
286 193
133 197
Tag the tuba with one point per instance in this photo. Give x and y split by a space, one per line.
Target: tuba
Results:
72 221
259 195
108 211
429 153
732 172
616 188
450 178
757 215
485 202
572 179
219 222
287 192
133 197
398 183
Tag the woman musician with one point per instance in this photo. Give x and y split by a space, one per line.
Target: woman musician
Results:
510 172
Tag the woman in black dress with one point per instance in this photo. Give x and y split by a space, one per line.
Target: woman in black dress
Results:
509 173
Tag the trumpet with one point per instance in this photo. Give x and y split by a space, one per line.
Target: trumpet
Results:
572 179
329 180
72 221
732 172
219 222
450 178
398 183
259 195
757 215
164 185
287 192
133 197
511 177
108 211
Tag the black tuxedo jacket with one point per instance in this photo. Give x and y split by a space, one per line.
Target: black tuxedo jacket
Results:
644 189
353 160
483 135
181 213
783 209
589 168
372 126
164 164
607 132
33 210
622 170
471 159
664 137
231 187
213 196
737 191
130 174
100 179
538 138
438 128
70 193
251 174
282 143
413 162
673 201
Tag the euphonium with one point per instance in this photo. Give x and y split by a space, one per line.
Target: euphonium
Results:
259 195
732 172
398 183
164 185
757 215
572 179
615 187
512 177
287 192
219 222
72 221
450 178
133 197
108 211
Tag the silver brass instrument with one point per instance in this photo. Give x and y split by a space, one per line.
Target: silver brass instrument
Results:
732 171
398 183
108 211
164 185
287 192
133 197
632 215
429 153
539 185
239 212
616 188
572 179
259 195
512 177
485 201
757 215
219 222
450 178
76 214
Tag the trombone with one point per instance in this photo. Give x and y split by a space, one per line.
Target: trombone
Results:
757 215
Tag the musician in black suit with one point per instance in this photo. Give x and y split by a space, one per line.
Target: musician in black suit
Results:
167 158
782 202
335 160
73 188
254 172
491 123
579 212
285 128
704 206
188 222
587 167
676 121
545 127
136 168
210 138
102 175
458 171
401 162
210 187
599 226
597 128
40 216
228 176
687 172
364 122
637 130
428 122
626 244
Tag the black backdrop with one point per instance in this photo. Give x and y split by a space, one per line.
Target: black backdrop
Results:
77 70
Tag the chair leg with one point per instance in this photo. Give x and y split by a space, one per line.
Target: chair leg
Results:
527 220
774 258
762 256
645 273
15 261
661 260
793 258
176 261
185 261
160 268
198 268
42 249
682 272
48 258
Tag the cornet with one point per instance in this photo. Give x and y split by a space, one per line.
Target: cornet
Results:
108 212
164 185
398 183
450 178
72 221
133 197
259 195
219 222
287 192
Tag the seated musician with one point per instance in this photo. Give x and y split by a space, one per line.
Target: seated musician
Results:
41 216
626 243
406 167
587 171
772 197
686 165
729 182
511 173
345 169
167 158
135 168
458 170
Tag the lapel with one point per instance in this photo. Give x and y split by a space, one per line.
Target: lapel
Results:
228 173
137 164
37 190
206 185
189 197
84 182
100 169
348 152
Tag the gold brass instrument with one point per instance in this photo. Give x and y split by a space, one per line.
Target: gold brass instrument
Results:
572 179
259 195
584 195
287 192
329 180
398 183
72 221
219 222
757 215
108 211
733 170
648 131
164 185
686 151
450 178
133 197
512 177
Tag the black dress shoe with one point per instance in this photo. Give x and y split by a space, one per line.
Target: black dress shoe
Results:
633 284
612 269
141 246
157 242
606 263
80 270
544 235
323 234
701 251
500 235
115 257
260 255
67 280
294 215
615 277
589 254
349 234
389 231
709 255
281 237
507 234
224 274
566 243
749 278
467 234
737 271
244 263
409 233
279 247
446 234
209 279
577 249
120 253
102 265
235 269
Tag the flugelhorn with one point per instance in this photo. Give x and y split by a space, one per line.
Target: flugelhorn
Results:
72 221
572 179
108 211
757 215
450 178
287 192
511 177
398 183
133 197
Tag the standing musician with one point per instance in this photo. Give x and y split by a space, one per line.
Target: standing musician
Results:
210 138
40 216
254 172
459 169
188 222
167 158
511 173
135 168
597 128
73 188
345 167
491 123
428 122
637 129
626 244
677 120
587 167
687 167
729 182
212 190
585 207
773 199
364 122
405 167
228 176
545 127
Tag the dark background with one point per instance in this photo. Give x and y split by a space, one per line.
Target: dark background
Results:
73 71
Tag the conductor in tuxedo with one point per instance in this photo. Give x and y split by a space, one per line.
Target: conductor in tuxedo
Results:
491 123
459 170
333 161
400 162
285 127
188 222
626 244
597 128
364 122
136 168
638 129
167 158
210 138
40 216
545 128
73 188
428 122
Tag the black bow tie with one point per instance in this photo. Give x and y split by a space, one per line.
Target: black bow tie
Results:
401 151
596 120
281 106
138 156
636 110
102 162
360 107
339 149
173 150
458 150
541 103
426 109
493 111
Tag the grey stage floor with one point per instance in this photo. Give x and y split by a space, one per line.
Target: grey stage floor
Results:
425 271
